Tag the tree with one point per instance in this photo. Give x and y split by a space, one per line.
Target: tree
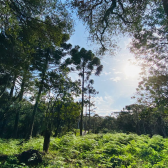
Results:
90 91
106 19
150 47
39 16
109 124
61 105
86 62
96 123
46 59
23 24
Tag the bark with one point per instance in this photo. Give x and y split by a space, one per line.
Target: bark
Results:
3 90
38 97
18 111
46 140
7 109
58 123
34 110
94 126
81 121
3 127
161 126
16 125
89 114
13 86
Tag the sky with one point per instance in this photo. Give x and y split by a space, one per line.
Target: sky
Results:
117 82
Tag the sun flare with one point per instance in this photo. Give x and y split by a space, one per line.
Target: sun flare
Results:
131 70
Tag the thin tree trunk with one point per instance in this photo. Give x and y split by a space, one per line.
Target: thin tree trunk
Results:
58 122
94 126
89 114
3 127
47 138
163 123
18 110
38 97
34 110
81 122
2 92
16 125
12 88
7 109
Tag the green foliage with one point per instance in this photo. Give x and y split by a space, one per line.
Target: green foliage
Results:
117 150
107 19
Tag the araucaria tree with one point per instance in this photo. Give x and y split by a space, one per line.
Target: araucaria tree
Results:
46 59
86 63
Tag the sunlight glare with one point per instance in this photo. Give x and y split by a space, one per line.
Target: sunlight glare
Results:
131 70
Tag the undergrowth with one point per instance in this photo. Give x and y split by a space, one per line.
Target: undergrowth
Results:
117 150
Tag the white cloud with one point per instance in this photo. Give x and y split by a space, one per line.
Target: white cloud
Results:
108 99
117 72
103 105
98 100
107 73
116 79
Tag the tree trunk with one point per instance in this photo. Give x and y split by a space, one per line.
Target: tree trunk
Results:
34 111
58 121
89 114
16 125
94 126
38 97
18 110
81 122
3 90
46 140
7 108
3 127
57 128
13 86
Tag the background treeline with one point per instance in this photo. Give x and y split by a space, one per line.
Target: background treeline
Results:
137 119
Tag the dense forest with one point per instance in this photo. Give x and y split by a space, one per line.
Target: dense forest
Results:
39 99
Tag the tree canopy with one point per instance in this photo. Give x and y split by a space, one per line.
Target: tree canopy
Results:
108 18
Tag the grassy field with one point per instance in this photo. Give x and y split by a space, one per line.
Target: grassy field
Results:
93 151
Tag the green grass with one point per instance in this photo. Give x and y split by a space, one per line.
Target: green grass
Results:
94 151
